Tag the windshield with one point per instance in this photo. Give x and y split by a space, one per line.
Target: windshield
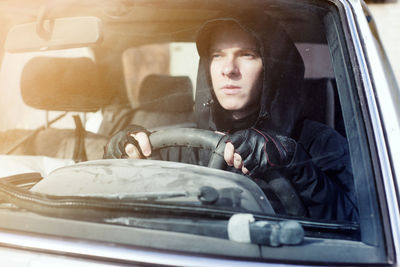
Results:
179 116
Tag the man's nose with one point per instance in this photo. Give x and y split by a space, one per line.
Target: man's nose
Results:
230 67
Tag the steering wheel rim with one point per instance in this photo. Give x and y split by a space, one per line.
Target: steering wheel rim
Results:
200 138
192 137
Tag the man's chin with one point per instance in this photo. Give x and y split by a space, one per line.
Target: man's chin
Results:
239 111
236 112
233 108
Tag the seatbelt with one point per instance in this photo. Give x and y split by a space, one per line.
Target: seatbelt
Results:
80 133
32 134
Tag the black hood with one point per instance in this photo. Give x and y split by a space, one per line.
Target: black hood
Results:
282 78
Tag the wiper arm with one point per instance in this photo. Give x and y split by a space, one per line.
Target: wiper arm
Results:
320 228
245 229
240 227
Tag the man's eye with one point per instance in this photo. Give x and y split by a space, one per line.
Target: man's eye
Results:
249 55
216 55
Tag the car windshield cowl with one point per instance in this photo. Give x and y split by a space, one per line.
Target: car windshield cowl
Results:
154 211
13 189
88 207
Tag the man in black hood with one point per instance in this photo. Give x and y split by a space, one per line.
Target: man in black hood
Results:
249 87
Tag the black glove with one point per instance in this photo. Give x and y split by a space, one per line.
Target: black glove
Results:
262 150
115 148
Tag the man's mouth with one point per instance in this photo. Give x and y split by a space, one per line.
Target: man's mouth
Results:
230 89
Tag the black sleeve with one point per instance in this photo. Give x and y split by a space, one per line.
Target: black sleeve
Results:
321 172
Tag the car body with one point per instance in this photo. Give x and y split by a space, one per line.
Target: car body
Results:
63 204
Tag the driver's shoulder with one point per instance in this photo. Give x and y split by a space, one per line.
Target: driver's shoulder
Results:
319 137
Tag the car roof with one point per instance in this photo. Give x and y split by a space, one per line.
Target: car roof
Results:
173 15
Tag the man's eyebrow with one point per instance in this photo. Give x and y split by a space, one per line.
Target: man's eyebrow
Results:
214 49
253 49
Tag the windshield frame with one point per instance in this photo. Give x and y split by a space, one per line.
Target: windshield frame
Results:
372 242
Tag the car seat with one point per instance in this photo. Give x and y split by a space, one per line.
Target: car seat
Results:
322 103
162 101
61 84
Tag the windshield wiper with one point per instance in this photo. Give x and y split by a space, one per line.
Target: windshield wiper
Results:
240 227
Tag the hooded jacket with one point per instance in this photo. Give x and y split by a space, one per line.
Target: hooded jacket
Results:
320 169
283 72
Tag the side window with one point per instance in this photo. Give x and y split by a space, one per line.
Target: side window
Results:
356 123
334 96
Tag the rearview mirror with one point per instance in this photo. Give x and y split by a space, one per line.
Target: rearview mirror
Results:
53 34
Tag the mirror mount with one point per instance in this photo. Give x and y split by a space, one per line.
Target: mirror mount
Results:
53 34
44 30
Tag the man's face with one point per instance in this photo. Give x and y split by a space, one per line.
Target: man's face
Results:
236 70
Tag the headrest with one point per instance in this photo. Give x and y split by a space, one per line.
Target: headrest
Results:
165 93
319 97
63 84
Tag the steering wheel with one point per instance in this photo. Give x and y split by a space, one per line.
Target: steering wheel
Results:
192 137
199 138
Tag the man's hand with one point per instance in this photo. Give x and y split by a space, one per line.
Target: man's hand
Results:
144 145
132 142
234 159
254 151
